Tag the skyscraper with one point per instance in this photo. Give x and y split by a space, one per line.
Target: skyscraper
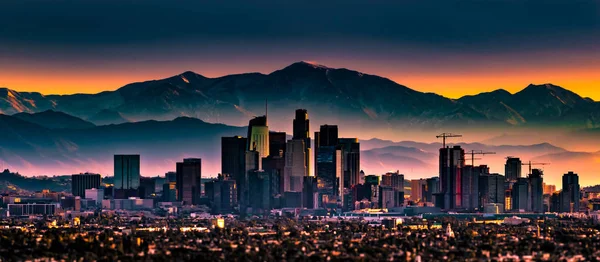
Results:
258 136
470 185
127 171
417 189
189 173
302 131
520 194
81 182
233 159
393 180
351 159
295 166
512 168
571 192
451 163
433 187
536 190
329 165
491 190
222 194
277 143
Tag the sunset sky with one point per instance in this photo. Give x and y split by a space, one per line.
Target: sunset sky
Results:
449 47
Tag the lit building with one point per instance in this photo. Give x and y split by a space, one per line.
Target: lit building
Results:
512 168
258 136
433 187
295 166
393 180
81 182
417 189
132 203
549 189
189 173
169 193
127 171
329 174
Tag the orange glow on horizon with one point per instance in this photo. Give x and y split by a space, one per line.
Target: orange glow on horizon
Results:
583 81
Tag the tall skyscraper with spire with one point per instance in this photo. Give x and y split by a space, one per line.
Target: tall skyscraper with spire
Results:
302 131
258 136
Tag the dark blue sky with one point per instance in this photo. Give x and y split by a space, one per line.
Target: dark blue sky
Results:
404 40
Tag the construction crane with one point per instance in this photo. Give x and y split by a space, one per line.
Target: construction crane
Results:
478 152
534 164
444 136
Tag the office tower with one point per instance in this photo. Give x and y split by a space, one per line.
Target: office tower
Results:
470 185
252 163
259 191
277 143
491 190
571 193
96 194
147 186
310 193
372 189
302 131
520 194
127 171
189 173
81 182
275 166
536 191
512 168
327 136
295 166
169 192
222 194
171 177
433 187
417 189
351 160
387 196
258 136
233 159
451 163
158 183
329 174
393 180
555 202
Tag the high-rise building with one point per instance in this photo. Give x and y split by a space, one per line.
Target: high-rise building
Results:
189 173
520 194
81 182
171 177
372 189
258 136
310 193
222 194
491 190
295 166
393 180
127 171
571 192
302 131
451 163
432 189
260 194
351 160
277 143
233 159
329 174
512 168
169 192
417 189
275 166
536 191
470 185
361 177
253 163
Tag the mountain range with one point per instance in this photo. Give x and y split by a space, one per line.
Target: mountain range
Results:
70 145
348 97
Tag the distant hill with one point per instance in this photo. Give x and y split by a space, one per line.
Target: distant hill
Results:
54 120
15 182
